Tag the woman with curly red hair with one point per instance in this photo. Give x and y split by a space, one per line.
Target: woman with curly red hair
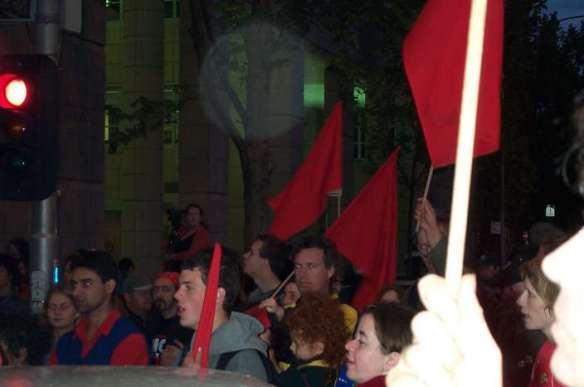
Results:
318 335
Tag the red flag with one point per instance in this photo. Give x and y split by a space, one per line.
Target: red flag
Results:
434 57
366 231
304 198
205 328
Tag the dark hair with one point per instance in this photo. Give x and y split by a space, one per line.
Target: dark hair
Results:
229 274
194 205
24 331
124 266
331 256
276 252
10 266
101 262
392 325
22 246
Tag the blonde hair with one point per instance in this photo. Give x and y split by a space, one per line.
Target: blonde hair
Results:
545 288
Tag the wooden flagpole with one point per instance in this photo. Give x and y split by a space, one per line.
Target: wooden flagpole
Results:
464 149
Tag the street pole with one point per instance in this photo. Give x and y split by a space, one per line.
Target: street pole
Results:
44 243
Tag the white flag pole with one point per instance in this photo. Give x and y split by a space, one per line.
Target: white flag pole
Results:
464 149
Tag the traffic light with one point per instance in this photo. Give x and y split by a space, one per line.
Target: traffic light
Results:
28 127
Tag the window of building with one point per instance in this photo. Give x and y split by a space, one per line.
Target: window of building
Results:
114 5
359 124
171 9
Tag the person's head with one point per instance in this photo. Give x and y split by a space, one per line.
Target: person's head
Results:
165 285
291 294
266 253
194 215
126 266
383 332
389 294
18 249
8 274
137 294
564 267
60 310
314 336
315 261
538 297
193 284
94 280
487 267
23 341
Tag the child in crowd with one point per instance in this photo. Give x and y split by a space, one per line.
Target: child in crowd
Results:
318 332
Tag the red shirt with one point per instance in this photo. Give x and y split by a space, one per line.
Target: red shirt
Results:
200 242
541 375
132 350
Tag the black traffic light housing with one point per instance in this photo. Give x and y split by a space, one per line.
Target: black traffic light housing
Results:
28 127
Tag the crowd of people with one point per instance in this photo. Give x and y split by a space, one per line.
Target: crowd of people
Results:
281 314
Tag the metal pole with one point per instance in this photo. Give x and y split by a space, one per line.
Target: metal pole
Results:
44 243
44 246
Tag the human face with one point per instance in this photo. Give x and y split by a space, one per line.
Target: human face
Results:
535 314
303 350
189 296
564 266
89 291
364 357
163 294
291 294
252 261
140 302
311 273
194 217
61 312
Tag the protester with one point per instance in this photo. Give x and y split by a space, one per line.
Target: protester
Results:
61 313
192 236
235 345
102 336
10 302
536 303
23 341
290 294
317 342
163 328
389 294
266 262
137 299
383 332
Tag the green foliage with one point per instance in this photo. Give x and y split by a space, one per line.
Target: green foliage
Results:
143 115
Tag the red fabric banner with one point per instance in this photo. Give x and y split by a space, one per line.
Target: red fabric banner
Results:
434 57
366 232
304 198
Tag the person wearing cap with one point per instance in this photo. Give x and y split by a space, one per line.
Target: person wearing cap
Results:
103 336
167 336
137 299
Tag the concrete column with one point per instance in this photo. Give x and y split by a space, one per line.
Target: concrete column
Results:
141 175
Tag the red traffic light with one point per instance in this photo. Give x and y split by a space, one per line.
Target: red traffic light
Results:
14 91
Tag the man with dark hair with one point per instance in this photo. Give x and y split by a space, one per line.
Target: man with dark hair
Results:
10 304
267 264
103 336
235 345
163 327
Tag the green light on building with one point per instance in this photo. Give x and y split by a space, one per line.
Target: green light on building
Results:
359 95
314 95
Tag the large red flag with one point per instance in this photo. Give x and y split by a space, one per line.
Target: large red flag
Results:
304 198
205 328
434 57
366 231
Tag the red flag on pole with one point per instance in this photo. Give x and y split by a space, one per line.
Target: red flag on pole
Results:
434 58
205 328
304 198
366 231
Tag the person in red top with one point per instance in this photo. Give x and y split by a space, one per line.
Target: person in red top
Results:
103 336
536 304
192 236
